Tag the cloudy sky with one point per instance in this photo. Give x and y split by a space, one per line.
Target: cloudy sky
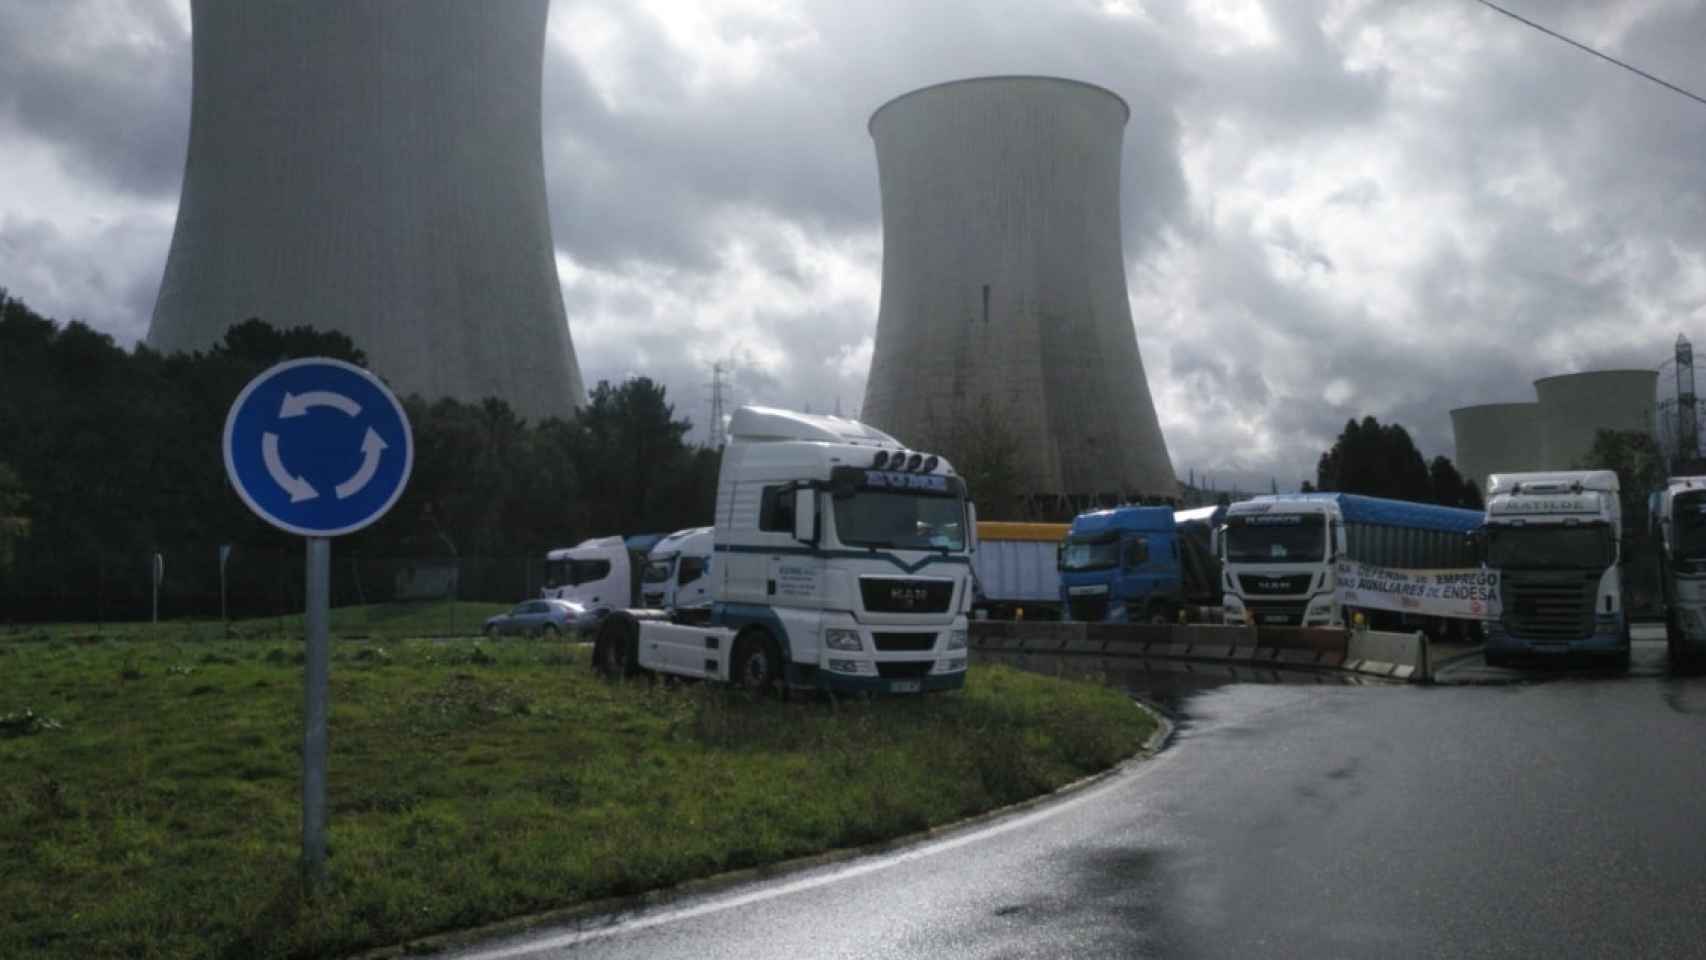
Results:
1330 208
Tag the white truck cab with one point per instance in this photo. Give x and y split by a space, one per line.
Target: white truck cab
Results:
1679 513
593 573
1555 538
842 561
677 575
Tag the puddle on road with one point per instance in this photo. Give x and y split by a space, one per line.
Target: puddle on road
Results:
1167 683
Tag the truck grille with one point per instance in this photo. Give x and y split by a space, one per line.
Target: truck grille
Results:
903 642
894 595
1088 609
1555 608
1277 614
904 669
1256 584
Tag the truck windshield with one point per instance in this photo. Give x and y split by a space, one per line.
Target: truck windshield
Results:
901 521
1090 553
1276 538
658 571
1689 511
569 573
1549 547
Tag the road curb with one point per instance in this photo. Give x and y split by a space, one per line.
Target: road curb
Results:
441 942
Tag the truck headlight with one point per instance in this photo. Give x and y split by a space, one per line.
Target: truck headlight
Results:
1321 606
956 639
836 639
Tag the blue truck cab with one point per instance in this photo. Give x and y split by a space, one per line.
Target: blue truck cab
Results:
1128 564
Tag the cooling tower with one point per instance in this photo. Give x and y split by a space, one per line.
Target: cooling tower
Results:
1576 405
374 167
1004 298
1496 438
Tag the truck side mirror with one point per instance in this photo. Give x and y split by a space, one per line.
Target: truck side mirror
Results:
971 526
805 515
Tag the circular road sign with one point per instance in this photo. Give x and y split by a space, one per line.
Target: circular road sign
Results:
318 447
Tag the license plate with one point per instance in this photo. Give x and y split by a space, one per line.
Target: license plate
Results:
1276 618
905 686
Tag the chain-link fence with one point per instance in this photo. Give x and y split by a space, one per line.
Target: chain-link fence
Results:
239 582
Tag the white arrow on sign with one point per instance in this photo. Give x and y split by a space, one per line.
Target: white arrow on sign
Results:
297 404
298 487
371 447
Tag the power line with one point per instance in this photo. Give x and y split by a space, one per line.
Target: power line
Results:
1603 56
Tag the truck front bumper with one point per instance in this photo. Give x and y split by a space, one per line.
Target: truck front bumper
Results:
929 683
1608 637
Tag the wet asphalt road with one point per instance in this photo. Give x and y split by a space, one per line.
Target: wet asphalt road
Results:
1561 818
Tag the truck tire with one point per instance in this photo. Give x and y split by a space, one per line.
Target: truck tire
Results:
615 652
757 664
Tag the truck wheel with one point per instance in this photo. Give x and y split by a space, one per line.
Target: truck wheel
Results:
613 654
757 664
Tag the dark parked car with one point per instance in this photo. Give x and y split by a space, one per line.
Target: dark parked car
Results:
542 618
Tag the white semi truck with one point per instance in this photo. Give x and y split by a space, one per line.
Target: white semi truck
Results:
1279 555
678 574
1679 514
601 574
842 562
1555 539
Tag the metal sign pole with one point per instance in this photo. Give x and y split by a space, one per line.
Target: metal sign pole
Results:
288 442
314 739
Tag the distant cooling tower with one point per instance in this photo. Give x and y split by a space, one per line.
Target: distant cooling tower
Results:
374 167
1004 288
1574 406
1497 438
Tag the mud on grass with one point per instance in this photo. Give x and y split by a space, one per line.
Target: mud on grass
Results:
157 815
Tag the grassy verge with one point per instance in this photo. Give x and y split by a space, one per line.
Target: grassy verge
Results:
377 621
149 806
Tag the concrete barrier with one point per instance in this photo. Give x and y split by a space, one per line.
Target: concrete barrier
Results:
1302 646
1399 656
1048 637
1402 656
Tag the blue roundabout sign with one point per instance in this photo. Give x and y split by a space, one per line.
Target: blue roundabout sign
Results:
318 447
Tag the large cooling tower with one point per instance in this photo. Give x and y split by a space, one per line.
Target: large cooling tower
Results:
1004 296
1576 405
1497 438
374 167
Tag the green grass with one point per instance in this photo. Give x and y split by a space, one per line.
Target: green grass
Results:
149 806
378 621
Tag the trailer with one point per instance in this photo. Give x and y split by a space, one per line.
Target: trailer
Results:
1016 570
1279 555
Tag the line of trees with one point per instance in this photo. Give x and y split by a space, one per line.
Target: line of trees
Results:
108 456
1380 460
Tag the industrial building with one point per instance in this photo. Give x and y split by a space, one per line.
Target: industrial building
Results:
375 167
1557 430
1004 296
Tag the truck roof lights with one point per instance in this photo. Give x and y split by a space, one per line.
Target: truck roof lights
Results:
880 459
930 463
913 461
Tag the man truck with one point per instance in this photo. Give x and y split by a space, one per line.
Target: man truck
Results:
842 562
1279 555
1555 539
1134 564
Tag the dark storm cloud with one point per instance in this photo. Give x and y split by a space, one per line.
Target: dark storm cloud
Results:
110 93
648 175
